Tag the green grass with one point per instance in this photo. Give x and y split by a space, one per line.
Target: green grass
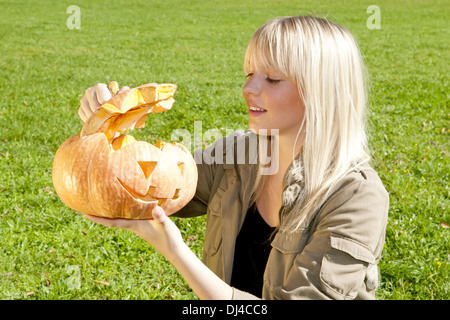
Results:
199 45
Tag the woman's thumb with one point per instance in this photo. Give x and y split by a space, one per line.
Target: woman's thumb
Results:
159 214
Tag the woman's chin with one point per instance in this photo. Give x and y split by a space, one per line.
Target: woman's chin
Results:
262 131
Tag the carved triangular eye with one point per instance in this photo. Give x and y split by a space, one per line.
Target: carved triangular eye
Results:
181 167
177 194
147 167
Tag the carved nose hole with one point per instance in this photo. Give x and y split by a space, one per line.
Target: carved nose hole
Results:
147 167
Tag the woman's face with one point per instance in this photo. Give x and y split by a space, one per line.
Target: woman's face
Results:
273 102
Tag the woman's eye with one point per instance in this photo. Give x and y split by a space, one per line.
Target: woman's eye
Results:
273 81
249 75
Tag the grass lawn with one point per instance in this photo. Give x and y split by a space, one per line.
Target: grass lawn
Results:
47 251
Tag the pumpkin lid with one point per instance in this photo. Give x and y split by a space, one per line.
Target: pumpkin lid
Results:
129 109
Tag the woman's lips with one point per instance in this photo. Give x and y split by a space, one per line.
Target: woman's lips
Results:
256 111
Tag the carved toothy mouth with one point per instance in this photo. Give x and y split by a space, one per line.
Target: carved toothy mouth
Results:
147 168
148 197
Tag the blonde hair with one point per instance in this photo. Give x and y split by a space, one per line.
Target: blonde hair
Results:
324 61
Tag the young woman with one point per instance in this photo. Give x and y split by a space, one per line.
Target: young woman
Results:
315 227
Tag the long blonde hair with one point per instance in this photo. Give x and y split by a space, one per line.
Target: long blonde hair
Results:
324 61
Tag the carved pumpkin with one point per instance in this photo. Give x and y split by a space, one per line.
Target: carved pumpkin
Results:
100 172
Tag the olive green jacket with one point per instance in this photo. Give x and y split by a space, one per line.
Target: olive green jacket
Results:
334 254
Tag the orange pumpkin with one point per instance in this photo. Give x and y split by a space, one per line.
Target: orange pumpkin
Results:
100 172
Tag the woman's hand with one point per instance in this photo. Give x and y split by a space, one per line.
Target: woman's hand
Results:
95 96
164 235
160 231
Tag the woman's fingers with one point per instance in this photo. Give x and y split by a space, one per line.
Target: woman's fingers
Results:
81 112
102 93
115 223
123 89
158 216
91 98
160 231
94 97
85 110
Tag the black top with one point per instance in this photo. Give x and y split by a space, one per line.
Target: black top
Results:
251 253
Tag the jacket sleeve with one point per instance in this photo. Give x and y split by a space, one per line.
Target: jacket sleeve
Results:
210 168
345 243
333 256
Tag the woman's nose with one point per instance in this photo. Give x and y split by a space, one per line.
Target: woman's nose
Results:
252 86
